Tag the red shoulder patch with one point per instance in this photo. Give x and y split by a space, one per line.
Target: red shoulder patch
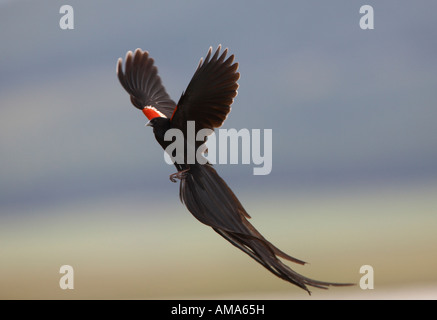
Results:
173 113
151 112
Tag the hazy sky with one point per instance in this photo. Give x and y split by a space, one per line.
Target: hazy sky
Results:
83 182
344 104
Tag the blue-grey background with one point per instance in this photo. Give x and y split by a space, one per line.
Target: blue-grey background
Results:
353 115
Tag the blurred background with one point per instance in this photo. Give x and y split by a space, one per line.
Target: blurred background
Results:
354 177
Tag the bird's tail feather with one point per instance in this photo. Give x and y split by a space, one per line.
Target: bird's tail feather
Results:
212 202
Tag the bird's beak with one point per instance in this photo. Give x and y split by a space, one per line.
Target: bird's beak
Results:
148 124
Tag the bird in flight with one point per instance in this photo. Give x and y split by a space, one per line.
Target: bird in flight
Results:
206 101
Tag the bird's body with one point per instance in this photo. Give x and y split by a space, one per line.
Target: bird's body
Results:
206 102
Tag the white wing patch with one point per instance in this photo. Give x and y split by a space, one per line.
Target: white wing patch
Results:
151 112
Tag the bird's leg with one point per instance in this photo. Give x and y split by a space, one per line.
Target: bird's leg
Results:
179 175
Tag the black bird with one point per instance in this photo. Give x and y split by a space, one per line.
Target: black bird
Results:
206 101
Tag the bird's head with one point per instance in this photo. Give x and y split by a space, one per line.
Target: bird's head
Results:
158 122
154 115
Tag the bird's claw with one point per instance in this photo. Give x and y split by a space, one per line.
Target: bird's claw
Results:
178 175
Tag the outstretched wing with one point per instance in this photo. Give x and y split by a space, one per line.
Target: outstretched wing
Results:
140 79
210 93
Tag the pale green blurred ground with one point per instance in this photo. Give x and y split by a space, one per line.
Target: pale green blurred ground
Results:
119 250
